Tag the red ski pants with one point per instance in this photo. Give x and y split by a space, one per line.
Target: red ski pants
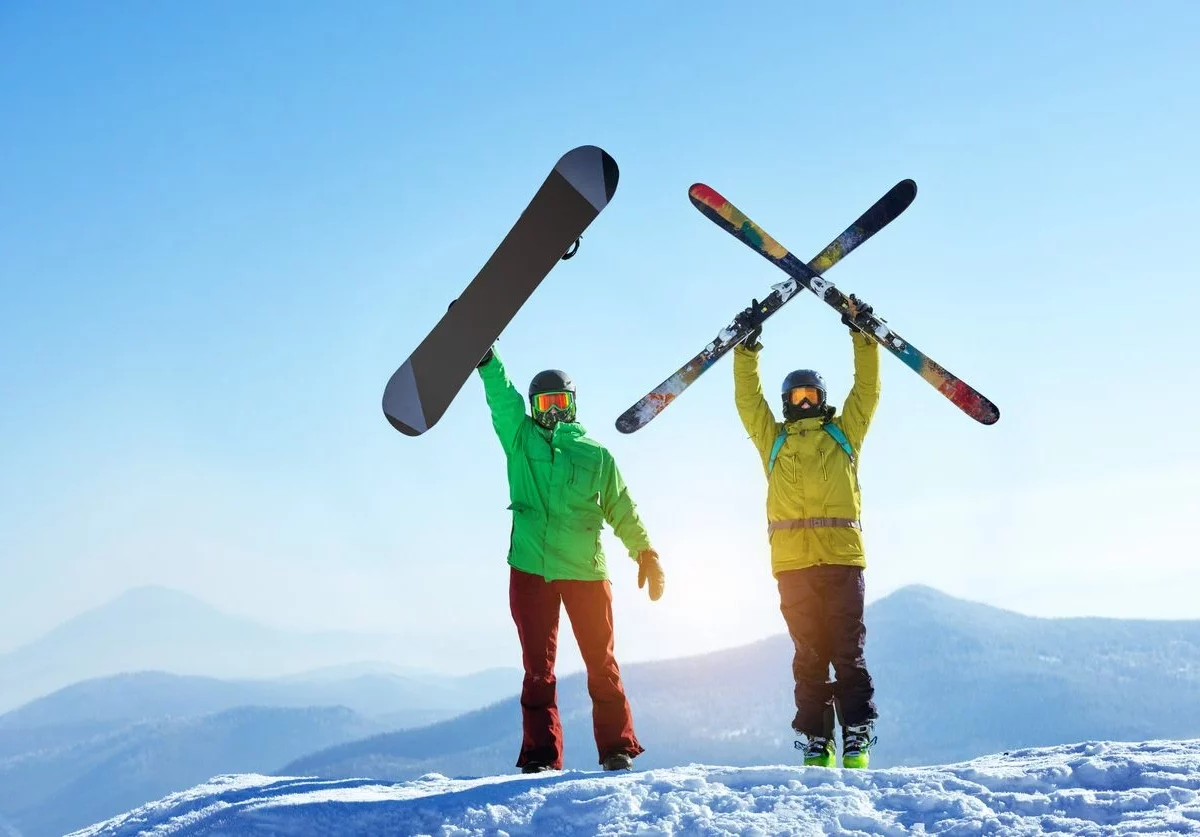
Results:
535 605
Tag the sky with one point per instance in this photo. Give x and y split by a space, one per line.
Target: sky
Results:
1075 789
223 226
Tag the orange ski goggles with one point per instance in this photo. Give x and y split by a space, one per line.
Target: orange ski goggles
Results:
544 401
798 394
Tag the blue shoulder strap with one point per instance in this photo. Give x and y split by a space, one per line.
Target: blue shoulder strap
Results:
779 440
832 429
840 437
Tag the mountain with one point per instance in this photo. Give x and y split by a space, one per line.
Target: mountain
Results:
64 787
1082 789
157 629
954 679
395 701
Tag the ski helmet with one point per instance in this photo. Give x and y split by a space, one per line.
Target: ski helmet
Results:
798 390
543 388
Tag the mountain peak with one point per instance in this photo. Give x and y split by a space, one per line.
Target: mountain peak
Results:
919 601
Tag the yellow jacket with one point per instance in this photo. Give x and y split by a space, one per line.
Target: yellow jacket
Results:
813 477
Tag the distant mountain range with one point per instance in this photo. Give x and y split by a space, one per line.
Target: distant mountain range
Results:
157 629
391 701
93 748
58 789
955 680
96 748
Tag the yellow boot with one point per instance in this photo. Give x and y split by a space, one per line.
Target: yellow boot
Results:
857 742
818 751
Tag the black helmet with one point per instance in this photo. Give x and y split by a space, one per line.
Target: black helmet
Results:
552 381
805 409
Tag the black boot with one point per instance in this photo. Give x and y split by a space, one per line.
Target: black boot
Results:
618 761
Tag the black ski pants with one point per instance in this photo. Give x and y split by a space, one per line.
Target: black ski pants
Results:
823 608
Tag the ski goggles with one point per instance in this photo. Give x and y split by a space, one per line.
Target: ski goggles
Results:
544 401
798 394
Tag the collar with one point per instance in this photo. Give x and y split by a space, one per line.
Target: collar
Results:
805 424
562 430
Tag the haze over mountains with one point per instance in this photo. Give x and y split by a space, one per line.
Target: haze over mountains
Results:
955 680
157 629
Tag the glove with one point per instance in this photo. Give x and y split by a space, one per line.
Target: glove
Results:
649 568
857 312
752 318
486 359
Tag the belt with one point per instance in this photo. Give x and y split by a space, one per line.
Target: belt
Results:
815 523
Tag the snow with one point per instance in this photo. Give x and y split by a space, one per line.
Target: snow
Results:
1093 788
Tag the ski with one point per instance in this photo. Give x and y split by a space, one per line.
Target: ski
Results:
579 186
729 218
883 212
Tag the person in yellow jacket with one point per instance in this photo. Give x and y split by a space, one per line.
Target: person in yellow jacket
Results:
813 507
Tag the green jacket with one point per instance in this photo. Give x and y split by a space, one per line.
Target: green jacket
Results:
563 487
813 476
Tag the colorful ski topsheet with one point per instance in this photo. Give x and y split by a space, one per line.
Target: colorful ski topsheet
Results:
727 216
883 212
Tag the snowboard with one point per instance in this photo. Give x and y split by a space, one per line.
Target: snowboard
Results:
729 218
578 188
882 212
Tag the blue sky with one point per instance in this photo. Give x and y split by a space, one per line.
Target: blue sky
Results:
223 226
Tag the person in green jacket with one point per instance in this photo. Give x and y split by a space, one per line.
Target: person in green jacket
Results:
563 487
810 460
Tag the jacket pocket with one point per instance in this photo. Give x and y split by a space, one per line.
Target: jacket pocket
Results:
585 477
786 465
525 536
840 542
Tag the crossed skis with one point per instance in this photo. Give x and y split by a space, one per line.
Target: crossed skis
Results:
581 184
729 218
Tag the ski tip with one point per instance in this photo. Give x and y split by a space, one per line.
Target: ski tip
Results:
978 407
592 172
628 422
707 195
902 194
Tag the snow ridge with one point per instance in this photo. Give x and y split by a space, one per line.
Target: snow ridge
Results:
1091 788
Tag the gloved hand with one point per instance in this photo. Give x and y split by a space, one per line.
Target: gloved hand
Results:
649 568
483 361
856 315
752 318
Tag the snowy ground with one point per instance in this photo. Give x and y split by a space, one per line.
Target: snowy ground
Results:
1092 789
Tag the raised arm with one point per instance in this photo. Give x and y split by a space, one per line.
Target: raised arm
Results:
752 407
503 399
864 395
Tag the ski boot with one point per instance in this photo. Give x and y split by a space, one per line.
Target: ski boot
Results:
535 767
618 761
857 742
818 750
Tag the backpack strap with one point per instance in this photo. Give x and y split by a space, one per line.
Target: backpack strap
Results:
834 432
838 436
779 440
